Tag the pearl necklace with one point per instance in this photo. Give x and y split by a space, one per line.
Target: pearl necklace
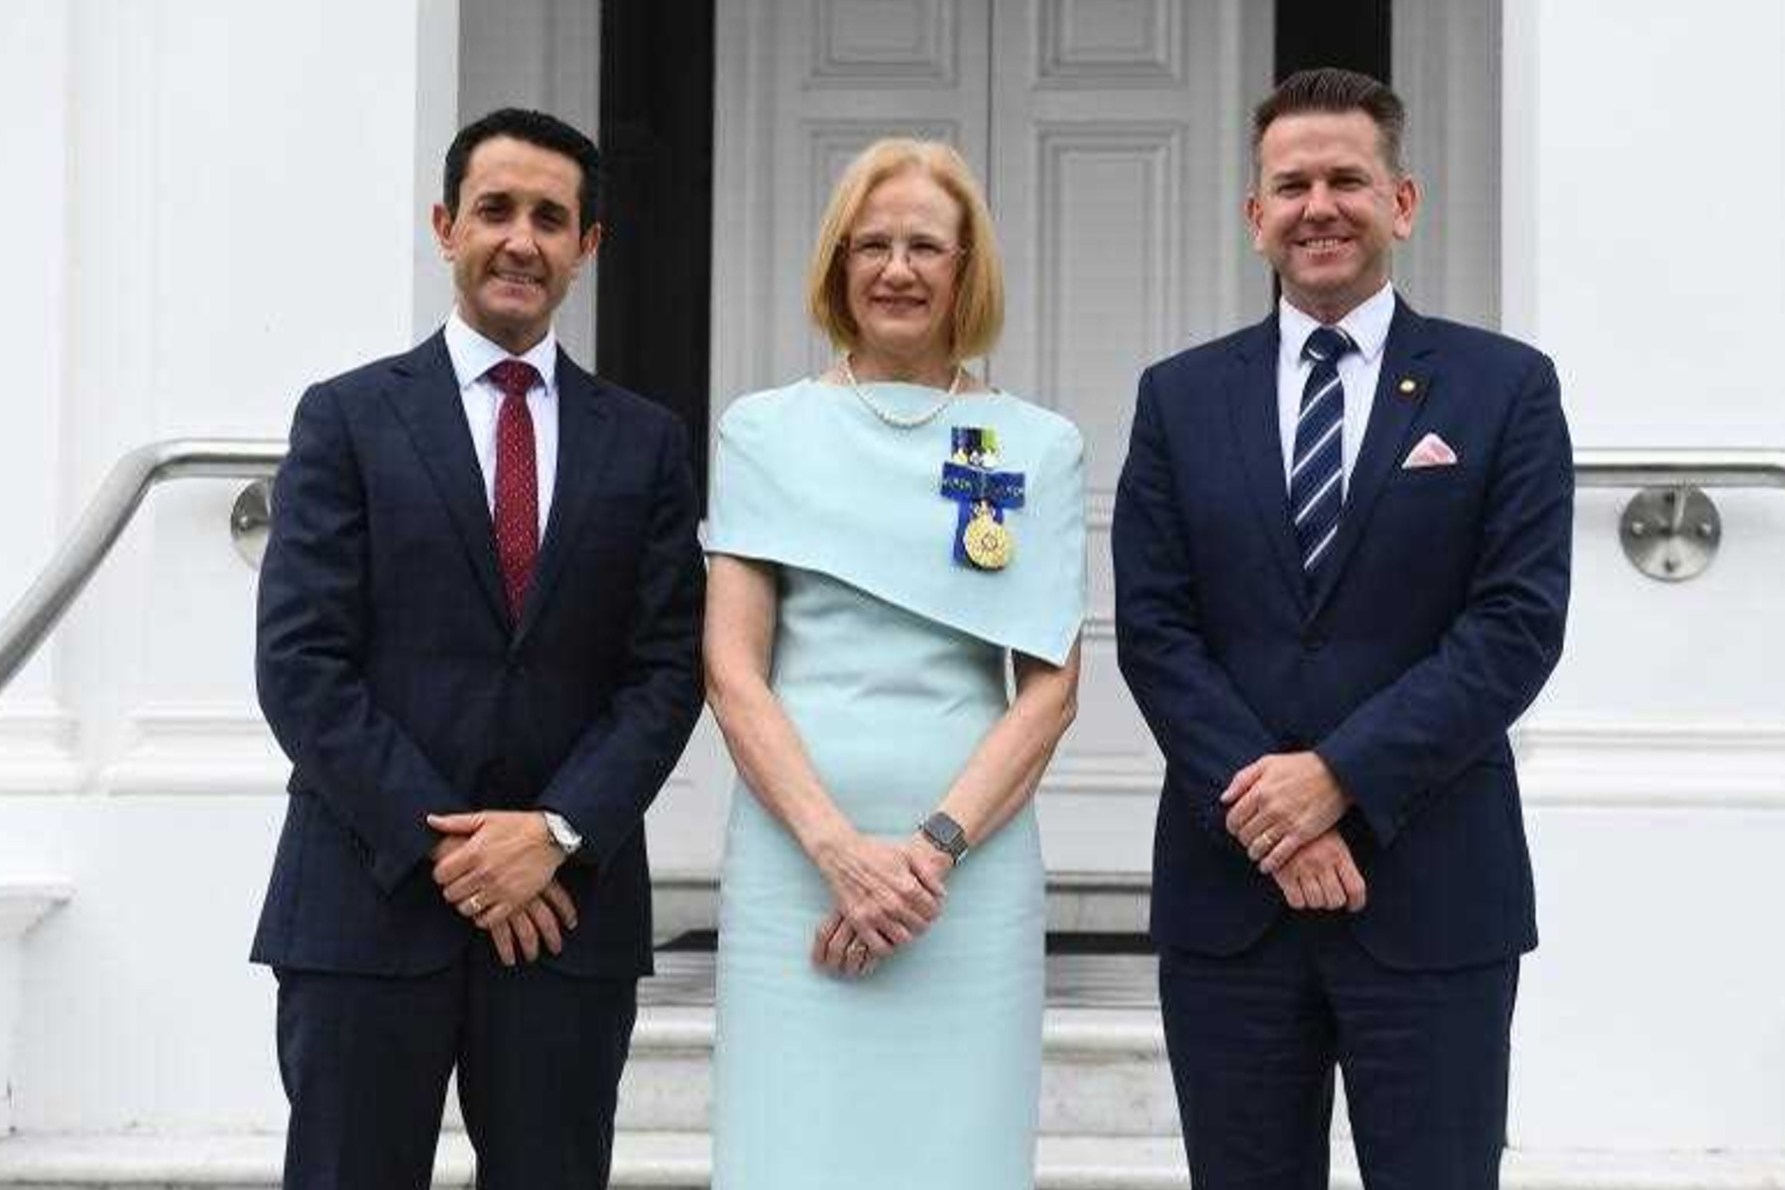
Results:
896 420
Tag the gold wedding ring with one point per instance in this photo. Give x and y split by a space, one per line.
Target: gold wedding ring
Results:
858 949
475 903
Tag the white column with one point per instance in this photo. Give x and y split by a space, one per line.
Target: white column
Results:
241 223
222 207
36 733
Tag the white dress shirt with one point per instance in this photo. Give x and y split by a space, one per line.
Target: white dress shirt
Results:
1358 372
473 356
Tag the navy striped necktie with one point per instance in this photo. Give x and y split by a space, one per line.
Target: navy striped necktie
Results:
1317 474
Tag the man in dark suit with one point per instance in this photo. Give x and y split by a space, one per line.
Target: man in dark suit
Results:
478 643
1341 547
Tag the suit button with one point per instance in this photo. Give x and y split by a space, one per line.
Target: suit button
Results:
1313 643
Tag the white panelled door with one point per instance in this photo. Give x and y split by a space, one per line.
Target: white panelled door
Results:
1111 138
1119 155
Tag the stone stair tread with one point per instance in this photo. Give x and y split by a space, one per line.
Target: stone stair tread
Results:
679 1161
1091 981
1131 1032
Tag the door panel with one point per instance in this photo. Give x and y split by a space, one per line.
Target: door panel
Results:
1119 155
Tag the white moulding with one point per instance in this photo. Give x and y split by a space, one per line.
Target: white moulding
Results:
23 903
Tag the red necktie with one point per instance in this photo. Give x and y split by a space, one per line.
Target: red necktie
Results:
517 483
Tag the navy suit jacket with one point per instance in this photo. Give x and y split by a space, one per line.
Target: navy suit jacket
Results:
1436 620
392 673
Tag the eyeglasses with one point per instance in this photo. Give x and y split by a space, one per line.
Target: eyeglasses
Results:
922 253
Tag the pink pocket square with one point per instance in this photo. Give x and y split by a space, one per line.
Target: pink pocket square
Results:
1432 451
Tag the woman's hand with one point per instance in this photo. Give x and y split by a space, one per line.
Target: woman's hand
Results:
837 948
930 862
884 893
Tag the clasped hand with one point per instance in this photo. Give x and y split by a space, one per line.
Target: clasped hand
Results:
1282 809
886 894
496 867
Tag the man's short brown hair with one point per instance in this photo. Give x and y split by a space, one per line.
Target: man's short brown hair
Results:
1332 89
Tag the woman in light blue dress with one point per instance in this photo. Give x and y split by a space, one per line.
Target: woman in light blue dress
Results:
894 602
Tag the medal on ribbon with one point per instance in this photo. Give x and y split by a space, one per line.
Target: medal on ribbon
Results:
972 480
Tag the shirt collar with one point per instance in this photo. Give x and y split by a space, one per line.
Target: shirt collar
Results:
473 355
1367 324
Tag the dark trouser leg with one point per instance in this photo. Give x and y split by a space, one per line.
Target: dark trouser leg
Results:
1251 1045
365 1062
539 1074
1425 1057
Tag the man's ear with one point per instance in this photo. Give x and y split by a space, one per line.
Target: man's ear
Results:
442 220
1407 196
1255 220
591 243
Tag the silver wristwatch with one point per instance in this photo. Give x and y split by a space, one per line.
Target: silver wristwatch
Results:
563 834
945 835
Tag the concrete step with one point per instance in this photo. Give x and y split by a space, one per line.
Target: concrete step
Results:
680 1161
1104 1073
1096 979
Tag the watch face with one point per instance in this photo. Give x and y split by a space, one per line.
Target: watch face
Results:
563 834
946 833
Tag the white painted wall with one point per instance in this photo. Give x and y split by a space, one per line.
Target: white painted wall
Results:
211 204
1644 156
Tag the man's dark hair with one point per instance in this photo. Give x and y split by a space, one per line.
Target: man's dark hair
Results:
536 128
1331 89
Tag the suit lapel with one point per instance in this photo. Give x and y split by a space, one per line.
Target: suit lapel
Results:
1252 398
1393 412
426 399
585 433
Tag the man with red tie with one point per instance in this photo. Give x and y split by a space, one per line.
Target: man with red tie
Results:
478 643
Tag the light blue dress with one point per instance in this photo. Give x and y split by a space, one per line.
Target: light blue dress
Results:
890 659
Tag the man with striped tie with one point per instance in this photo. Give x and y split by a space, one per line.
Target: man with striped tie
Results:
1342 543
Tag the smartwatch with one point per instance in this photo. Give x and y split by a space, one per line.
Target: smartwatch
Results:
945 835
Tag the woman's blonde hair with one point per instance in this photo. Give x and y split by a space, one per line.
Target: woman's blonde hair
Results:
979 290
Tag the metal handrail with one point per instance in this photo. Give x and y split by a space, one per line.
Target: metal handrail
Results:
42 606
1638 467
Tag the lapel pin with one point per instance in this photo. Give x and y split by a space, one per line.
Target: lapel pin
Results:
1409 387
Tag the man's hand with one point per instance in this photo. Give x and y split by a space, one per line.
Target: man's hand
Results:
543 919
1279 803
503 860
1322 875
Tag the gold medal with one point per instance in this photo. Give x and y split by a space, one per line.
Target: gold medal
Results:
989 544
